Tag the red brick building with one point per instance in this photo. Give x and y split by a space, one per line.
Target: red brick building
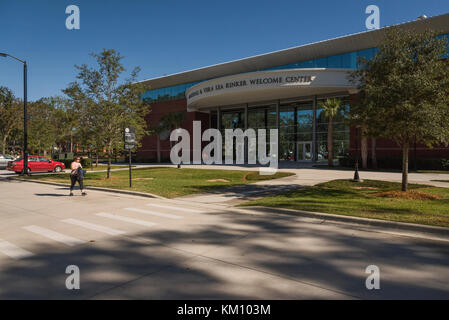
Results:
280 90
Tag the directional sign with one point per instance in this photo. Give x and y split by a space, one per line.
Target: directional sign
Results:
130 138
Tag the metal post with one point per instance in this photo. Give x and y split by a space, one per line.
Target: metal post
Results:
356 172
130 177
246 138
25 118
25 115
295 120
278 126
314 133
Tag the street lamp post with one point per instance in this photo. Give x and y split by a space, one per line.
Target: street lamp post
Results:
25 114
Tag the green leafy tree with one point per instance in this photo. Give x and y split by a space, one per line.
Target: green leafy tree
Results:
168 122
404 91
66 121
107 105
173 120
41 132
330 110
11 115
158 130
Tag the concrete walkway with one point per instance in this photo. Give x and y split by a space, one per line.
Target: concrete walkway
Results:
303 177
138 248
308 176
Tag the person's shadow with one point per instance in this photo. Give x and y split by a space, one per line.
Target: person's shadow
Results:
51 195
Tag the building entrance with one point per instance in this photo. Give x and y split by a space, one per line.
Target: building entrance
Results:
304 151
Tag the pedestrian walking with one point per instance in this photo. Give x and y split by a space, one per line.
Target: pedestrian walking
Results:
77 174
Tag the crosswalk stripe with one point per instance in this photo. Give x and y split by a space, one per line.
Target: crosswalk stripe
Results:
70 241
126 219
154 213
94 227
13 251
174 208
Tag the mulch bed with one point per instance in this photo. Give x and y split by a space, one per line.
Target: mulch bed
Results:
408 195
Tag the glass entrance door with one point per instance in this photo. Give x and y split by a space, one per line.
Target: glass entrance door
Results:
304 151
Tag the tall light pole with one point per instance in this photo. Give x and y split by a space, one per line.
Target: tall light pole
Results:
25 114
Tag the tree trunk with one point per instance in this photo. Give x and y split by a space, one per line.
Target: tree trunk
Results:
373 153
330 142
71 141
158 149
96 160
109 166
364 151
4 144
405 149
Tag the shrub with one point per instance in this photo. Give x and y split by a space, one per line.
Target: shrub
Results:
67 162
346 161
445 164
396 163
86 162
142 159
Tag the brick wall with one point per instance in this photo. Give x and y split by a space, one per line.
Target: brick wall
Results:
148 150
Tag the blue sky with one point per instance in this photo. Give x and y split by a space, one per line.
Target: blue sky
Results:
167 36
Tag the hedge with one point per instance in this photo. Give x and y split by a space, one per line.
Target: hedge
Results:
396 163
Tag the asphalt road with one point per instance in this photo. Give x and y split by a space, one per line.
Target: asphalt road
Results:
129 247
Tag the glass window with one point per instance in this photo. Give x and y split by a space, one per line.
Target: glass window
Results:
334 61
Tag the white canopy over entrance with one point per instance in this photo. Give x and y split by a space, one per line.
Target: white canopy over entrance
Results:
267 85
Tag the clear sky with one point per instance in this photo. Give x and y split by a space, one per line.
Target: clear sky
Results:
168 36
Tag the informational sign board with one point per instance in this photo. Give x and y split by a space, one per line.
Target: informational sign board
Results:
130 138
130 143
66 156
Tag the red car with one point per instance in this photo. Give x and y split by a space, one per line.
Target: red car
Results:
36 164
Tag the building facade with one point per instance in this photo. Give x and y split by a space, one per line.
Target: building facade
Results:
282 90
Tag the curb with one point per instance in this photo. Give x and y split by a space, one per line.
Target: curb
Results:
387 225
128 192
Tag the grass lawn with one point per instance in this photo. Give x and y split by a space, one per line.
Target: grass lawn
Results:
325 166
369 199
434 171
105 167
167 182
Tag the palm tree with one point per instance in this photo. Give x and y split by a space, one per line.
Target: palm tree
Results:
158 130
330 108
173 120
168 122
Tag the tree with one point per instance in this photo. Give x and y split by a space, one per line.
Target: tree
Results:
173 120
107 106
168 122
330 109
66 121
41 131
404 91
11 115
158 130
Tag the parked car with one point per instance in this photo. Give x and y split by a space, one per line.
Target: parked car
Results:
36 164
4 159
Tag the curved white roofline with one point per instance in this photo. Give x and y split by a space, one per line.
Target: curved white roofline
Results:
338 45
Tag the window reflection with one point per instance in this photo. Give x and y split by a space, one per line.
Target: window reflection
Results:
348 60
